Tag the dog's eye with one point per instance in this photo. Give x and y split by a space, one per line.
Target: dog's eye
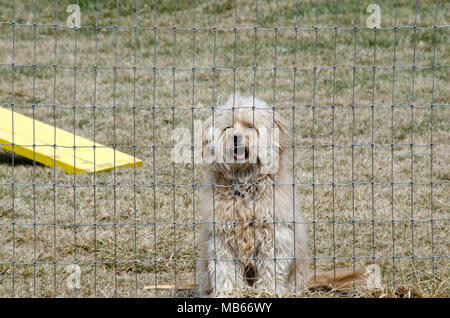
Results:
250 126
226 128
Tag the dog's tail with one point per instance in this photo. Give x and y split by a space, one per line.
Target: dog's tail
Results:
340 280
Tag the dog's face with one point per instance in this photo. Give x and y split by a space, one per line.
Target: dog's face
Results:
243 137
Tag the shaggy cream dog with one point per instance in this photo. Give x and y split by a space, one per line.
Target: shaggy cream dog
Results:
253 233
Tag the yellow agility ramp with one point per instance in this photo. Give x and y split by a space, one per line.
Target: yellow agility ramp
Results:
80 160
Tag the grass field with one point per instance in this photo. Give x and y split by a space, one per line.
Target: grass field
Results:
126 237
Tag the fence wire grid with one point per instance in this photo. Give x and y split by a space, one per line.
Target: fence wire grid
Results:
364 90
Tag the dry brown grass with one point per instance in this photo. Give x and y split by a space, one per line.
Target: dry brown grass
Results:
144 215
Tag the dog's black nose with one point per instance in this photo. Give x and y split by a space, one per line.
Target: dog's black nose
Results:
237 139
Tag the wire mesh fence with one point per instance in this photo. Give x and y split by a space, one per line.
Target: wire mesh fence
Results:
363 86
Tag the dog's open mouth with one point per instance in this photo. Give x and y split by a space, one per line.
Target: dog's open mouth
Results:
240 153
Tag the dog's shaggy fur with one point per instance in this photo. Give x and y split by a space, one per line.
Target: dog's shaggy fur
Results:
253 233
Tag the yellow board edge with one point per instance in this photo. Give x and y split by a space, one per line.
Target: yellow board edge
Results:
26 131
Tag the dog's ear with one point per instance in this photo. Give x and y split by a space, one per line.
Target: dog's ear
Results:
281 124
207 137
272 142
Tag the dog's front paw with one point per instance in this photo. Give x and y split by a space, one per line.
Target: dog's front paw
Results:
271 288
224 289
